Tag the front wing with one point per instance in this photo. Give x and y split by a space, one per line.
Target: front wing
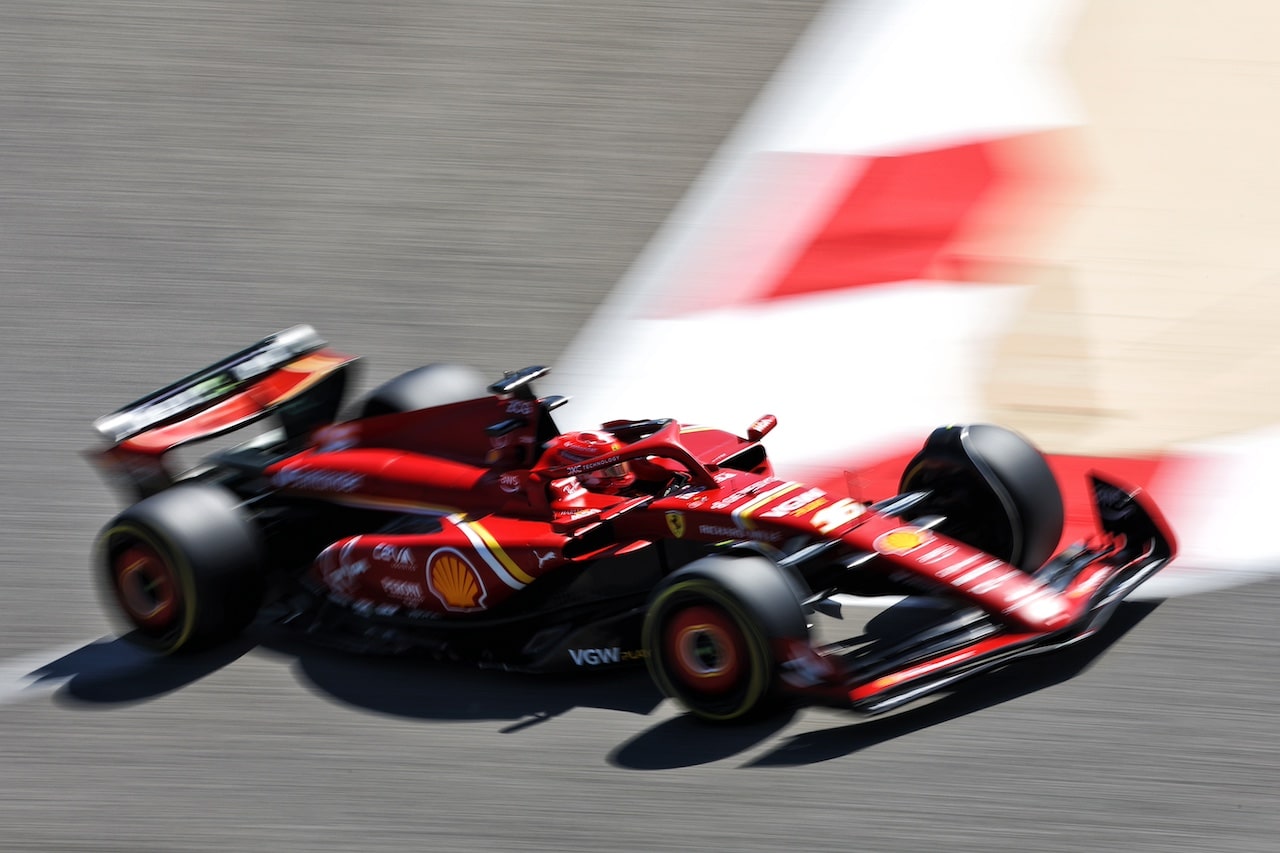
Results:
1087 581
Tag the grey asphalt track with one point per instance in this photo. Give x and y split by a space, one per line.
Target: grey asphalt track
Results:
464 180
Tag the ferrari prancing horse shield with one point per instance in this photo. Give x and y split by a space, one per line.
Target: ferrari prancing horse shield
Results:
675 522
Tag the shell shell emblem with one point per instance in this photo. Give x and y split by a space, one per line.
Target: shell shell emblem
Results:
453 580
902 540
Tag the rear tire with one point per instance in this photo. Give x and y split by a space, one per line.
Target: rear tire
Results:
710 631
423 388
184 567
994 488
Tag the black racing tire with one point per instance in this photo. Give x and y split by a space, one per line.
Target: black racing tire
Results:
423 388
995 490
184 568
710 631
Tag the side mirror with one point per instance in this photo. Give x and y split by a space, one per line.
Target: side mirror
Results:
762 427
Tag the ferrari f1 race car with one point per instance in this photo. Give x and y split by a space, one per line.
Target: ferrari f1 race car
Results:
449 515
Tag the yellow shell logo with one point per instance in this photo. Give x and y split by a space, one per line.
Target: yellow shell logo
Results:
454 581
903 540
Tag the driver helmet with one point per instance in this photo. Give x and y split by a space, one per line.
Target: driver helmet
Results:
574 448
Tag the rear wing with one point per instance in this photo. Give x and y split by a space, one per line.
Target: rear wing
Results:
205 387
290 374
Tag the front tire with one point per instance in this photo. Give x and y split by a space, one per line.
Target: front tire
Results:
995 490
184 568
710 632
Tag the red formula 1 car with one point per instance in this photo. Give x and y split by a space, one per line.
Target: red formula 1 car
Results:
457 519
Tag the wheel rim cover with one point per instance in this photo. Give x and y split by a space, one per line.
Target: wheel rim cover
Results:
146 587
706 649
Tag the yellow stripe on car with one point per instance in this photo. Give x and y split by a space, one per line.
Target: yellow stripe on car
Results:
491 552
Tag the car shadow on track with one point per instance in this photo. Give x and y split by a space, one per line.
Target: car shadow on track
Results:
422 688
115 671
682 742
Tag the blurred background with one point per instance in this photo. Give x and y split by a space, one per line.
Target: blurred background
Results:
480 182
1157 282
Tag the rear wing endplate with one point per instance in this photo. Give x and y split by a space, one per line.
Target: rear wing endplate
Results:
210 385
